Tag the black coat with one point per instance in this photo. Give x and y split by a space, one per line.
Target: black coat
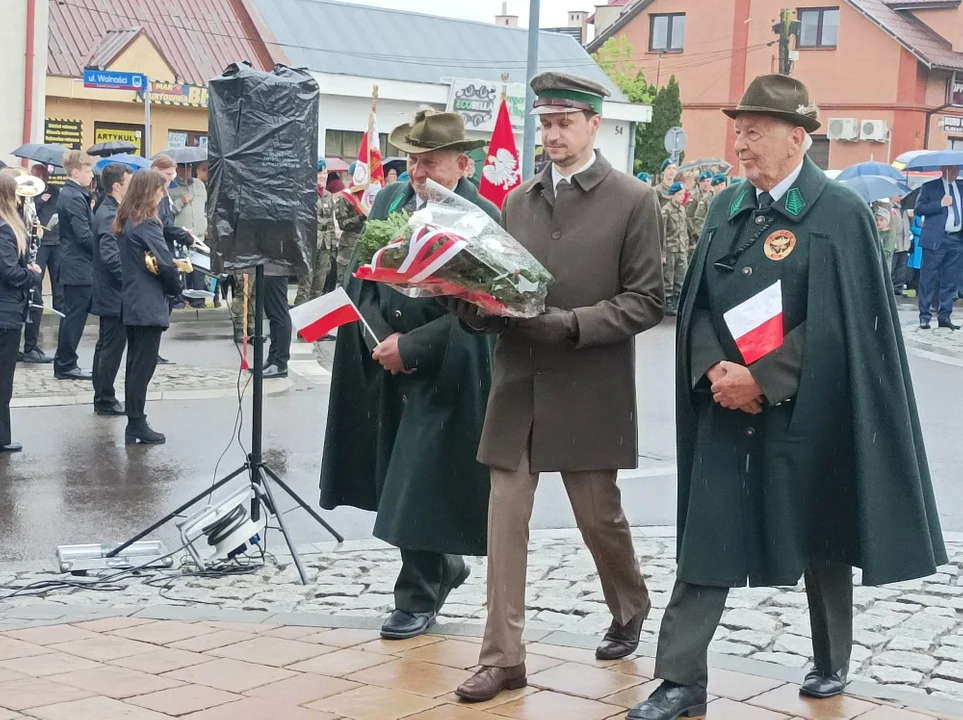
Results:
107 267
834 468
173 234
144 295
16 280
76 235
45 211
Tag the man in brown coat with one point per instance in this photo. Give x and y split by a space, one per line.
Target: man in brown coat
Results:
563 390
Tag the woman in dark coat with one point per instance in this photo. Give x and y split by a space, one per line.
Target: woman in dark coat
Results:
17 278
149 278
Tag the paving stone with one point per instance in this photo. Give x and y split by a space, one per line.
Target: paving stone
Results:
912 644
781 658
750 620
758 640
730 648
793 644
889 675
900 658
949 671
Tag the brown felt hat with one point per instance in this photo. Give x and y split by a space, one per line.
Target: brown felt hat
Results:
433 130
779 96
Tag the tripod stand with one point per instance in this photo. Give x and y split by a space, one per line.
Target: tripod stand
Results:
260 474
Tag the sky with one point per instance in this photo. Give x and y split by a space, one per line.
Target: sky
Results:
554 12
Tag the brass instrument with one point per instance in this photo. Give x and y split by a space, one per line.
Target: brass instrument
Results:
29 187
182 264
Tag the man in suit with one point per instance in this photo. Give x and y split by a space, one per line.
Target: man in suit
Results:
77 270
106 297
939 204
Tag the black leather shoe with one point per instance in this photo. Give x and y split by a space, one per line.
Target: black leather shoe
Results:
11 448
164 361
622 640
820 685
37 357
924 325
75 374
670 702
273 371
402 625
143 433
458 581
949 324
113 409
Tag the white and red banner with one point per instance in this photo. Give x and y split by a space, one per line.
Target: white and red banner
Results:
757 325
316 318
502 171
369 173
429 248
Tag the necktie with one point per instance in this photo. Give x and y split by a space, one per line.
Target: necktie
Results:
765 201
955 206
563 184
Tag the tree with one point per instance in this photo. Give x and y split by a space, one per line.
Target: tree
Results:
650 138
615 59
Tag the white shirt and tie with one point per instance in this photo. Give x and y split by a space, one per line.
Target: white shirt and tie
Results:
558 174
782 187
954 219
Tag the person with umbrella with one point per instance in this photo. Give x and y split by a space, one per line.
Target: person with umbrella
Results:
940 205
76 221
189 207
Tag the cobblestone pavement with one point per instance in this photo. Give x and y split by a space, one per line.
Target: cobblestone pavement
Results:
937 344
909 637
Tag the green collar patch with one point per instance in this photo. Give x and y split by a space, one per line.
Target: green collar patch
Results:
737 203
794 202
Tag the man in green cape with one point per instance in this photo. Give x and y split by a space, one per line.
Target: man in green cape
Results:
799 443
407 407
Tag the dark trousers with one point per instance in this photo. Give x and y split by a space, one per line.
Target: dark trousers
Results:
694 612
107 356
276 310
425 580
142 346
940 279
9 344
900 271
76 308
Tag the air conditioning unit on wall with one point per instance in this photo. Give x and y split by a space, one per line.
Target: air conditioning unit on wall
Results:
874 130
843 129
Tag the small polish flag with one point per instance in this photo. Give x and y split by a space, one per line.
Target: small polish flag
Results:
756 324
316 318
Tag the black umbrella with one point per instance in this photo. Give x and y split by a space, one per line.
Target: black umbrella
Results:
111 147
45 154
185 155
399 165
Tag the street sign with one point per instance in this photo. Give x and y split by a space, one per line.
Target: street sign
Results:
111 80
675 142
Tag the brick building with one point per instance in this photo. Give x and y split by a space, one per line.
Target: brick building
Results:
887 74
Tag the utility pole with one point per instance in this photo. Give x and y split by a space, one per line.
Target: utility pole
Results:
785 29
528 139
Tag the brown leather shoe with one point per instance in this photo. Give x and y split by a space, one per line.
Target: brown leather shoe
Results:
623 640
489 681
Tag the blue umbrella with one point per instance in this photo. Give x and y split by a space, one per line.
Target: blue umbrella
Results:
871 188
875 169
936 160
134 162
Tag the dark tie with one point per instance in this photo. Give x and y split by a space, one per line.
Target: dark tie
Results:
955 206
765 201
563 185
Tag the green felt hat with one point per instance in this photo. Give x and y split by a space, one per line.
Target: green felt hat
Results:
779 96
433 130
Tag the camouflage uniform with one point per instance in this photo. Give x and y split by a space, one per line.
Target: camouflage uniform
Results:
663 192
311 285
696 212
351 223
237 304
676 251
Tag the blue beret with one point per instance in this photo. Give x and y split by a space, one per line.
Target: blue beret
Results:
666 163
643 176
403 177
676 187
705 175
322 164
718 179
351 168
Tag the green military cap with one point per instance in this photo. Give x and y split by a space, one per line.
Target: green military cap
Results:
718 179
779 96
558 92
666 163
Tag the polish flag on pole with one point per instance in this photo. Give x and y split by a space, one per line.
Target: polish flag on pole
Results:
316 318
756 324
369 173
502 171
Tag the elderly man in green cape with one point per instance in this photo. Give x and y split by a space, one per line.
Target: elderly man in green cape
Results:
407 407
799 443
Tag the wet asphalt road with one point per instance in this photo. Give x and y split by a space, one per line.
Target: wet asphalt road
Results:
76 482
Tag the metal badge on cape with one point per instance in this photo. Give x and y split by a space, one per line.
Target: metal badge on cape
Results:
780 245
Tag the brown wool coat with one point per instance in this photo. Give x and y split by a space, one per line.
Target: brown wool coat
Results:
601 239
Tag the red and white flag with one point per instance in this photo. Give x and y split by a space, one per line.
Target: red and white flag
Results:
756 324
501 173
369 173
316 318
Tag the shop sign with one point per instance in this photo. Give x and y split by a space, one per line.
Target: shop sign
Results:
954 91
952 123
64 131
104 133
165 93
477 102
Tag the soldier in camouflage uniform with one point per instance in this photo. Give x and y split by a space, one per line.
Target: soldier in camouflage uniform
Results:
350 218
311 285
669 172
697 209
676 246
237 306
